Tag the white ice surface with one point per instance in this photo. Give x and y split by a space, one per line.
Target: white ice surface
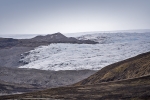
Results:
114 48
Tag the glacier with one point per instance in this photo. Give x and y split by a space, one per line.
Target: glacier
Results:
112 48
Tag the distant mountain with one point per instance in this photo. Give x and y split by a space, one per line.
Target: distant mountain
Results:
60 38
51 37
41 40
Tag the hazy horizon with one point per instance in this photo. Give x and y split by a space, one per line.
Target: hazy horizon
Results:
72 16
28 36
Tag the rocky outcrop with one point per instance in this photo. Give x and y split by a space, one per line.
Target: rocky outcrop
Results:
41 40
60 38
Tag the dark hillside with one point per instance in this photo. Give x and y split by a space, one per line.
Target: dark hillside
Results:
12 79
131 89
60 38
41 40
8 42
9 88
130 68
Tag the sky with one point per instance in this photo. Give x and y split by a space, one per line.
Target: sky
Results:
71 16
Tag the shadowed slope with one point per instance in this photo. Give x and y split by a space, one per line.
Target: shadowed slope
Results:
130 68
9 88
43 78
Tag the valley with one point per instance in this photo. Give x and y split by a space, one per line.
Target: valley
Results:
85 67
92 88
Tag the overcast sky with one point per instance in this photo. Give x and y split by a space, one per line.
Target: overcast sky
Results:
70 16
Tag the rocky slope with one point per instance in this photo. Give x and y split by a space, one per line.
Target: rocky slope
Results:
8 42
126 69
41 78
13 88
41 40
60 38
135 86
9 57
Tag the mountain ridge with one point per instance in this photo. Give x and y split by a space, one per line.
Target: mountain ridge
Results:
41 40
60 38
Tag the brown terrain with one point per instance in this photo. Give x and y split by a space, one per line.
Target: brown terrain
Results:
126 69
125 80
